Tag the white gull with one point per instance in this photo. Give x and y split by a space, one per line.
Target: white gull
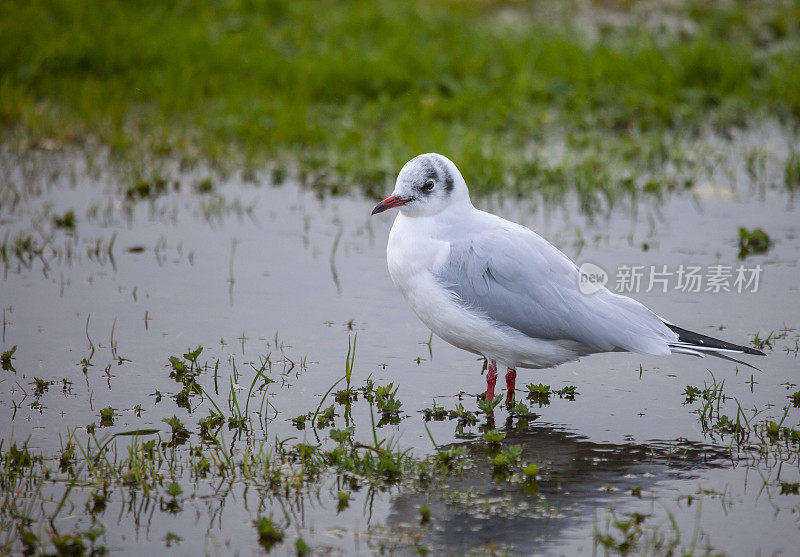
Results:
500 290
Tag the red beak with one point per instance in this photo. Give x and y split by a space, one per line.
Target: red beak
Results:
389 203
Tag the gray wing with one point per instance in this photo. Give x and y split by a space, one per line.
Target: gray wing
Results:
515 277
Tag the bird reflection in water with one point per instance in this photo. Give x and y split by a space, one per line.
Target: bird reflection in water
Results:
577 477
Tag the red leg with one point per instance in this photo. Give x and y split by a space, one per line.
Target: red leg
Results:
511 377
491 379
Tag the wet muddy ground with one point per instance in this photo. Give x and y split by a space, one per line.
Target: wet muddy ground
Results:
274 282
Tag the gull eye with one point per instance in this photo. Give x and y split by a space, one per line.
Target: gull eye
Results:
428 186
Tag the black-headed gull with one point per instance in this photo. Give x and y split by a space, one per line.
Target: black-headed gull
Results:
498 289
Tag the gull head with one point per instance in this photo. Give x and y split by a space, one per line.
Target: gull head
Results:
427 185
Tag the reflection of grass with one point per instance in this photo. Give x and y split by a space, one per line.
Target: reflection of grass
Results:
167 467
772 440
639 534
171 466
354 89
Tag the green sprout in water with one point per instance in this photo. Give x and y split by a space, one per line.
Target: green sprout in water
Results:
760 343
539 394
567 392
268 533
343 501
437 413
67 456
494 436
65 221
174 489
531 469
325 418
18 459
628 535
172 539
521 410
144 189
179 432
505 459
424 514
40 386
788 488
488 406
107 416
465 417
446 459
342 435
301 547
5 359
300 421
348 394
753 241
691 393
388 404
206 185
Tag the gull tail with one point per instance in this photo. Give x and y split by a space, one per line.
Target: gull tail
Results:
699 345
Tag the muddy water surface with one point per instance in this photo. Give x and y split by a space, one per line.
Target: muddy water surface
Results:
251 271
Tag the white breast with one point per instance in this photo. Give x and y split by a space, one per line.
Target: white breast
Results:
413 255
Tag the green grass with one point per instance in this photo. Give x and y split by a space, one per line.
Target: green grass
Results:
347 92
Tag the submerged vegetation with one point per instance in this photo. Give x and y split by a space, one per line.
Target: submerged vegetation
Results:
549 97
191 453
220 440
753 241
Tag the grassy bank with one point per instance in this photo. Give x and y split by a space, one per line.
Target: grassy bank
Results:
349 91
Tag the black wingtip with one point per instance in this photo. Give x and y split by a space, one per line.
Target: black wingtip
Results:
704 341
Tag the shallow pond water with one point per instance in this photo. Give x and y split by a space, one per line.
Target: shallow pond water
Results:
256 273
